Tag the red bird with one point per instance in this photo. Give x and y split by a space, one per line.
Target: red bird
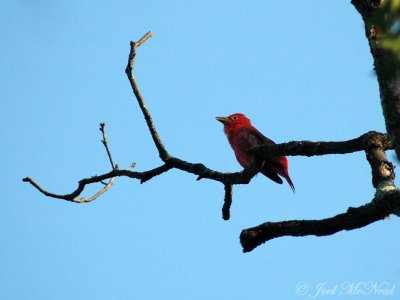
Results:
242 136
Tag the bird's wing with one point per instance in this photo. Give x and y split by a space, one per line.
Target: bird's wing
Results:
251 137
256 138
271 174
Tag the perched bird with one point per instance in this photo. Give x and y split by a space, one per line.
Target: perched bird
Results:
243 136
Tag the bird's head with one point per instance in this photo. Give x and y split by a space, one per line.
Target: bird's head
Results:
234 121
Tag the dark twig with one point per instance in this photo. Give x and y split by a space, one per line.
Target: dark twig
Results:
113 166
131 166
149 121
146 176
95 196
73 196
97 178
105 143
227 202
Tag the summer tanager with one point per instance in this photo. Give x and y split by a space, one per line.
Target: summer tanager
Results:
243 136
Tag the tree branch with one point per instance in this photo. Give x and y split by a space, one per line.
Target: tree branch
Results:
366 141
385 202
304 148
143 176
149 121
227 202
379 17
354 218
105 143
380 20
73 196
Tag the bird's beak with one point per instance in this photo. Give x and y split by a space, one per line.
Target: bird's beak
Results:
223 120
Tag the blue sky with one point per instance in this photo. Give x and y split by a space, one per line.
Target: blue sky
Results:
299 71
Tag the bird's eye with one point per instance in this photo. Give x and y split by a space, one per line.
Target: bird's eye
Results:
234 118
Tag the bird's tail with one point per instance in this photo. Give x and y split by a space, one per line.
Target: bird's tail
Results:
281 168
287 177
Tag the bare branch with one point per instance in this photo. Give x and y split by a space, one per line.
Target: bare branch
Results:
146 176
105 143
382 169
149 121
306 148
354 218
143 39
243 177
81 185
380 18
227 202
386 201
98 178
95 196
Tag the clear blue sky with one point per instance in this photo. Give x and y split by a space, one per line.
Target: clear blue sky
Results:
298 69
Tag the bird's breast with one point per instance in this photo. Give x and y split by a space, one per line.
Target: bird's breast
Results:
241 143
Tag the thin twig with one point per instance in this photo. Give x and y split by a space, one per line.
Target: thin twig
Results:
131 166
98 178
105 143
95 196
144 38
149 121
